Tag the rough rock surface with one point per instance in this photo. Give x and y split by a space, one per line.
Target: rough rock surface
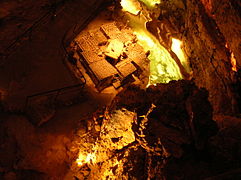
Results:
210 31
171 127
209 58
176 135
180 114
228 19
173 135
26 153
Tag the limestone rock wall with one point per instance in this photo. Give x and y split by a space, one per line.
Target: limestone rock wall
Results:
209 58
210 31
227 15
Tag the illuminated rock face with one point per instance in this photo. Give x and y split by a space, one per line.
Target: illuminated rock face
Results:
204 29
114 135
179 104
227 17
145 131
163 67
204 43
166 142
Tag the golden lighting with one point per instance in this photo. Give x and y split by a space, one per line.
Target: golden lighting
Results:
85 159
108 173
102 156
163 67
233 62
130 6
232 59
177 49
151 3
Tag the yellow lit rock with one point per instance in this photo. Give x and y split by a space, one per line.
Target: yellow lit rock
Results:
177 49
131 6
150 3
83 159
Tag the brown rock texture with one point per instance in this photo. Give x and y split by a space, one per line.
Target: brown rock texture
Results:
210 32
227 15
181 114
176 136
164 132
171 122
209 58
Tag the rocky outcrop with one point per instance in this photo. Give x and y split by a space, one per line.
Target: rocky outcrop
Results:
209 58
176 135
148 134
227 15
181 114
210 32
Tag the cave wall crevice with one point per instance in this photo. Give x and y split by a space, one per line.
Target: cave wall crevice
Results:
209 46
204 44
227 16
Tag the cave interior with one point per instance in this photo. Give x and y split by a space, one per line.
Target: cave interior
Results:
120 89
